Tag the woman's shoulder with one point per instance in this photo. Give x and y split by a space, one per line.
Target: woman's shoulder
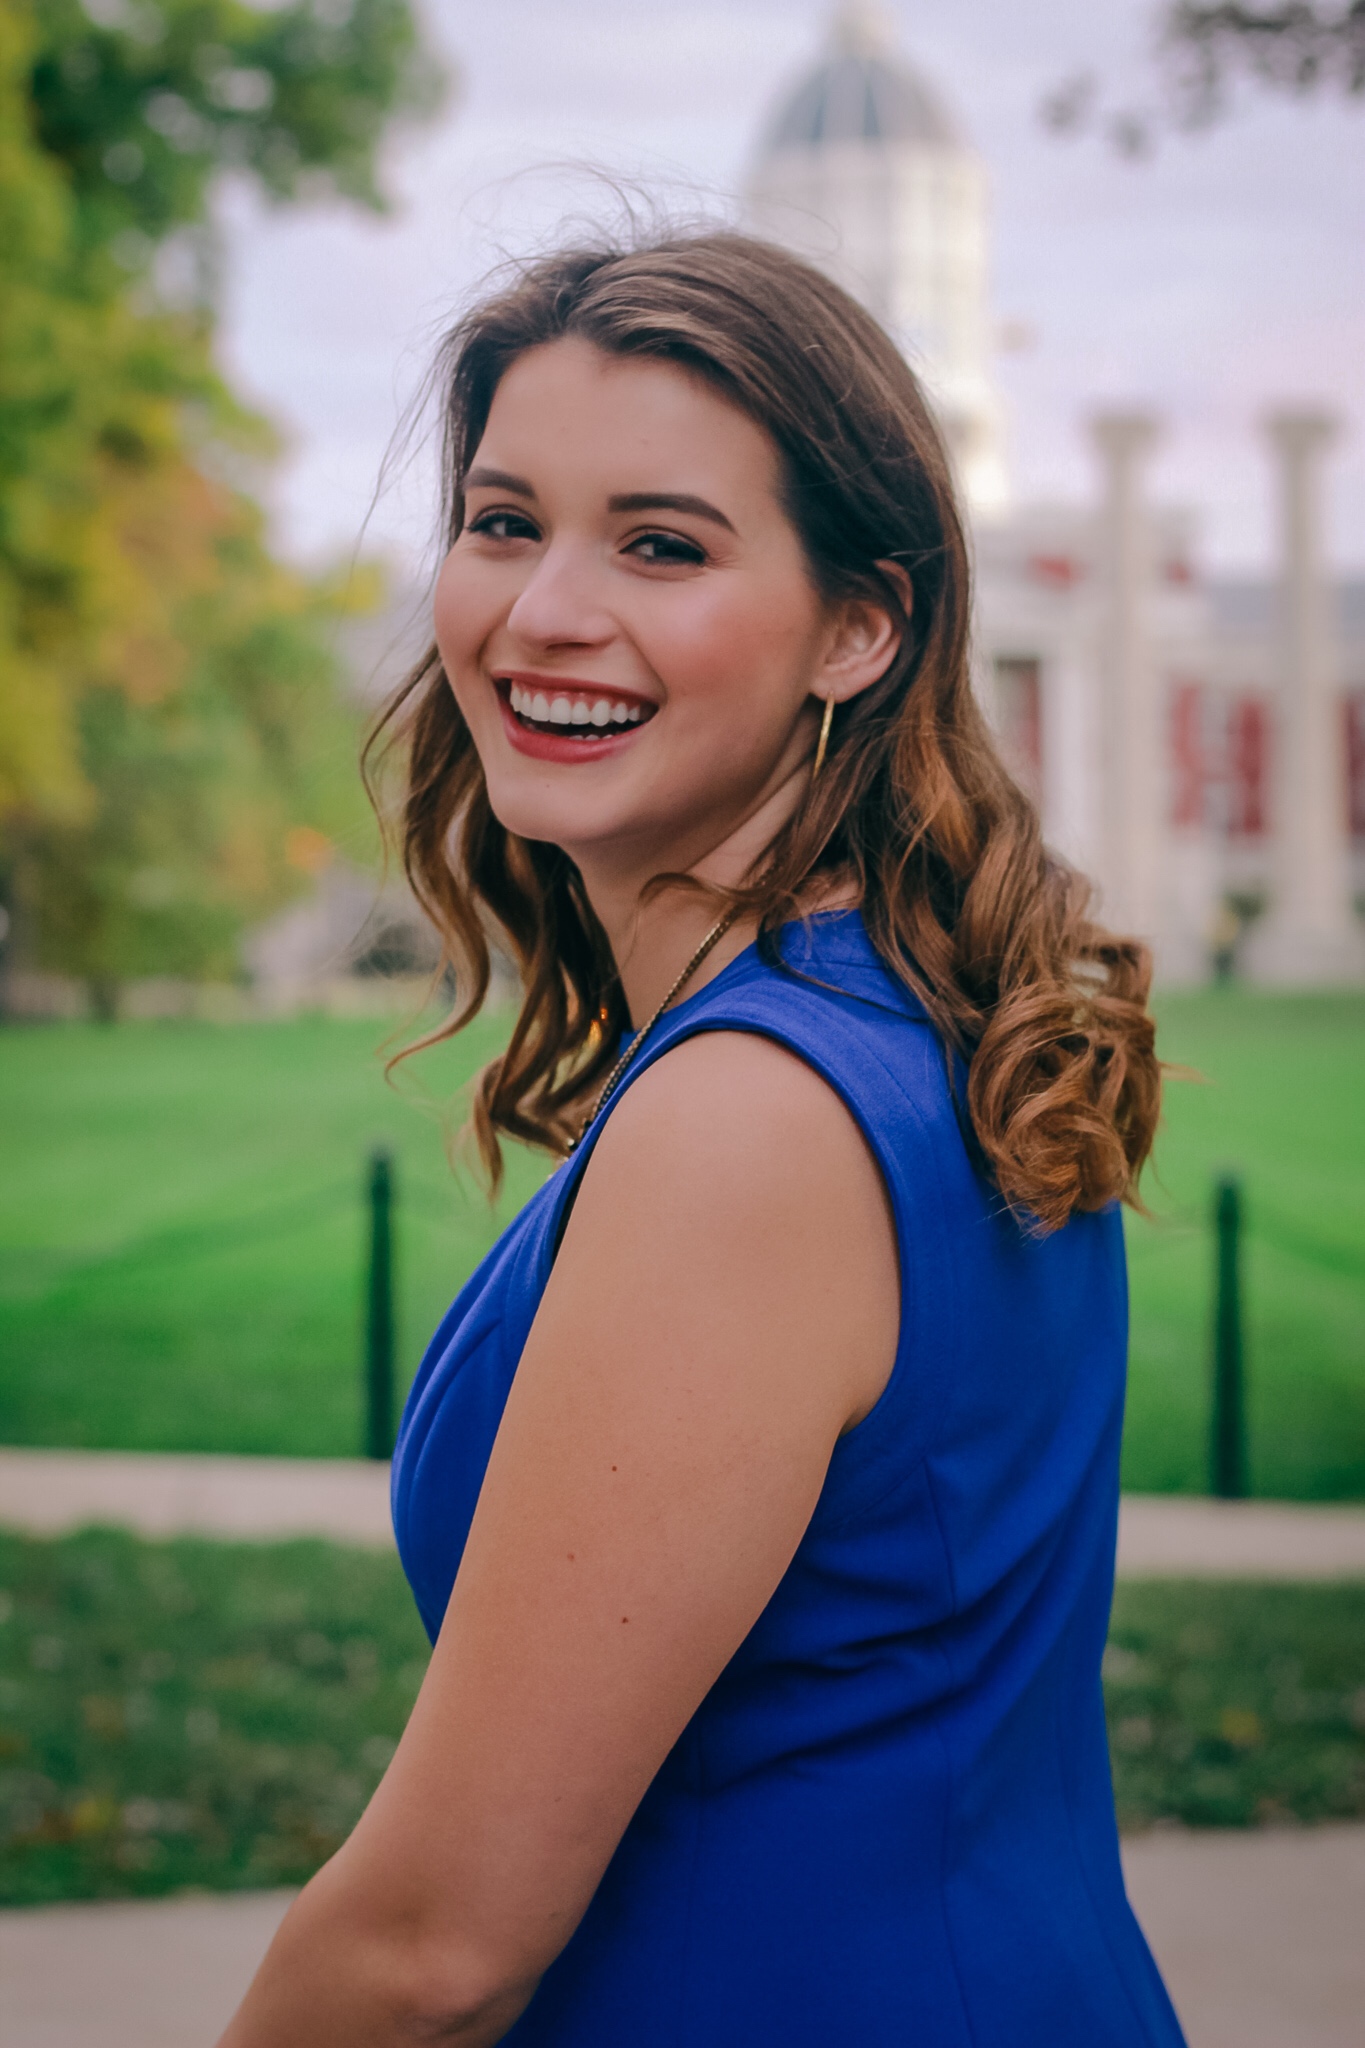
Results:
802 1082
820 990
728 1097
731 1165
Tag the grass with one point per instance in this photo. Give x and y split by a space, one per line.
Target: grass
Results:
1282 1103
1234 1705
182 1231
192 1712
195 1713
181 1234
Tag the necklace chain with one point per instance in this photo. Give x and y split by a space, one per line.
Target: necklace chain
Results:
608 1089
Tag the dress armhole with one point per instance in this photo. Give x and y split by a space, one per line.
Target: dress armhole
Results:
896 1429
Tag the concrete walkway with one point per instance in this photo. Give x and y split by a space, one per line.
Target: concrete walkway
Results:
347 1499
48 1492
164 1974
1173 1536
1259 1937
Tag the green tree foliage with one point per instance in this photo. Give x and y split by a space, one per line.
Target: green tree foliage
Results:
144 103
1203 49
1296 48
169 709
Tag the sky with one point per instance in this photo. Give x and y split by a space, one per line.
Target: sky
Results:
1222 276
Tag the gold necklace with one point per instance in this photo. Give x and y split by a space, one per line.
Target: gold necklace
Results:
713 938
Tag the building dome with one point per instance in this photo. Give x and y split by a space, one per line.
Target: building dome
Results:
861 94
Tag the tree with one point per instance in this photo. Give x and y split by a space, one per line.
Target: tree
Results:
144 102
1204 51
166 690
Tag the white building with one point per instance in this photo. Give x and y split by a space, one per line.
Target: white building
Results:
1197 745
865 173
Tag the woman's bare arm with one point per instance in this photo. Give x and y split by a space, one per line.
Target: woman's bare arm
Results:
725 1303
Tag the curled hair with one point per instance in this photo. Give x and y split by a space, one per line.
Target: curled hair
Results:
913 809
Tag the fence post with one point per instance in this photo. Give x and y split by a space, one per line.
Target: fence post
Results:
1227 1434
379 1310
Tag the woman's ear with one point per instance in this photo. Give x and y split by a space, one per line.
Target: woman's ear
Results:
865 639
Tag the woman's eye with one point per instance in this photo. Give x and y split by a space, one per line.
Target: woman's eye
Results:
665 547
504 526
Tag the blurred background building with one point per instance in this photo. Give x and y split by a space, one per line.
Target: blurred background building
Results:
1195 743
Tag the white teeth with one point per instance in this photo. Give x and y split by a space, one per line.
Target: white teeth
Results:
544 710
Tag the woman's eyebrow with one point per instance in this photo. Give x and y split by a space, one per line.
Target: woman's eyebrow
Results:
668 501
499 480
623 501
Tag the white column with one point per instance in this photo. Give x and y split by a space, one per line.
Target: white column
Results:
1311 933
1130 701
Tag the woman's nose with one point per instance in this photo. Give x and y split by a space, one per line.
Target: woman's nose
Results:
560 604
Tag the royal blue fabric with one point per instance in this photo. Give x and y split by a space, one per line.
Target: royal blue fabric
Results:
890 1821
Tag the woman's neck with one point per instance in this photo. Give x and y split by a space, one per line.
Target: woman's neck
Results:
658 940
654 935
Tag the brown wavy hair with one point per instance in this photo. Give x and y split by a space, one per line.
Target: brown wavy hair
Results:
914 809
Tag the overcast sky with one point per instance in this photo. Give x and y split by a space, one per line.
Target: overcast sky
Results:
1224 276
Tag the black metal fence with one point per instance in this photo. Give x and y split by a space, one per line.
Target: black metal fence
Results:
1227 1420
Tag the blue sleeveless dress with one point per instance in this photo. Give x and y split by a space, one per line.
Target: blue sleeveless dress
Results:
890 1821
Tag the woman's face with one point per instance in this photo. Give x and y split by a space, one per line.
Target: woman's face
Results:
627 619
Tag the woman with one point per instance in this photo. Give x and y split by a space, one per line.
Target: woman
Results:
759 1490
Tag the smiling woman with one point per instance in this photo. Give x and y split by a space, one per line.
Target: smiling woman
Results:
759 1491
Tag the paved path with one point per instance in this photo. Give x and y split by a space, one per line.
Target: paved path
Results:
166 1974
49 1491
348 1500
1261 1937
1258 1936
1177 1536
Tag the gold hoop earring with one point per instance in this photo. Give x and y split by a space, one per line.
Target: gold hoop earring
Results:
823 741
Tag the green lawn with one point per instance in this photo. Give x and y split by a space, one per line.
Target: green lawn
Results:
1236 1705
182 1231
194 1713
181 1234
1283 1103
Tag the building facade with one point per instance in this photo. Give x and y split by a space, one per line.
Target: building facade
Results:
1197 745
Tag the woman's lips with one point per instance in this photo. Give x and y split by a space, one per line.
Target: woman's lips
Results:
569 721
